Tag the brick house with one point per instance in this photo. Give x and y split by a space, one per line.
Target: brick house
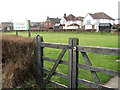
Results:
42 25
50 22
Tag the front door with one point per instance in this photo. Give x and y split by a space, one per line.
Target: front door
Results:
92 26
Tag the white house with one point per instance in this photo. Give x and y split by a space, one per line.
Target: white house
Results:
92 21
71 22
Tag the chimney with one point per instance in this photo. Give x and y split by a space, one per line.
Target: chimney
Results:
64 15
47 18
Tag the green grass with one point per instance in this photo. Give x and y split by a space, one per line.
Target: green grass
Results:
89 39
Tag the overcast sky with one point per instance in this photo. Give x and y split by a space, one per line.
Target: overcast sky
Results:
38 10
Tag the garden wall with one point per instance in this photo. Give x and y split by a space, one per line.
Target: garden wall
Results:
17 60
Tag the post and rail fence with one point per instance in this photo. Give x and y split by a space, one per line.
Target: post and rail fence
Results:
73 50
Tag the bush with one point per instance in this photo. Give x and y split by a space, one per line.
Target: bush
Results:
17 60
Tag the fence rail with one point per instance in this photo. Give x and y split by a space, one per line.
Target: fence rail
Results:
100 50
82 48
55 45
87 67
73 49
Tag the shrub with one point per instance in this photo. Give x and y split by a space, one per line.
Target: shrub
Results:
17 60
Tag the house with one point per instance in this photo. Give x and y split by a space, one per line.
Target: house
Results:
71 22
92 21
7 25
50 22
34 25
42 25
119 20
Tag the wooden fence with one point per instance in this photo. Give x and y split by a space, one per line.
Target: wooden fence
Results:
73 49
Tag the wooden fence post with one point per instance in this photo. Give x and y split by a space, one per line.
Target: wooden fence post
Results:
75 62
17 32
38 53
72 64
70 61
29 33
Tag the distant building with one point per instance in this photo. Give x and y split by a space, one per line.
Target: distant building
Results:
72 22
94 21
7 25
0 26
34 25
50 22
42 25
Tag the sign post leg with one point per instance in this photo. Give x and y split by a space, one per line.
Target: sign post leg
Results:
17 32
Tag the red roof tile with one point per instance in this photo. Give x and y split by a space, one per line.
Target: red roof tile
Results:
70 17
79 18
73 18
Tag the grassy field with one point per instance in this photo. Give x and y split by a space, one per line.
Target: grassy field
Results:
89 39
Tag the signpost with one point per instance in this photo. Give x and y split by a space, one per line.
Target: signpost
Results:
22 26
29 33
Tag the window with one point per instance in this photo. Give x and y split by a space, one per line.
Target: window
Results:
77 22
9 24
46 23
88 22
97 21
63 22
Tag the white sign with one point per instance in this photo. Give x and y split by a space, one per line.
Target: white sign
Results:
21 25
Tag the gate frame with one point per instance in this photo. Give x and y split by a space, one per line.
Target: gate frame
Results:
73 52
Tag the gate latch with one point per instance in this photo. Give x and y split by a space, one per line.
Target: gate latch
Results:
74 48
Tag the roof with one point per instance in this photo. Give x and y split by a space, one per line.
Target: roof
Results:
6 23
73 18
70 17
79 18
105 24
100 15
54 20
